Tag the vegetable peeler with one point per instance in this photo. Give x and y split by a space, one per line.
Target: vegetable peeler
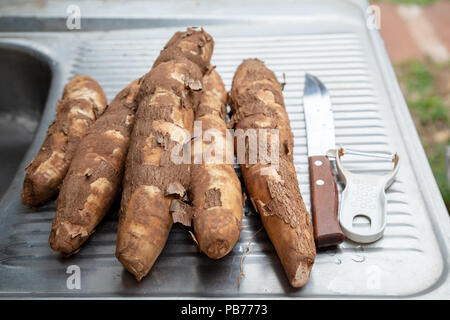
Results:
363 207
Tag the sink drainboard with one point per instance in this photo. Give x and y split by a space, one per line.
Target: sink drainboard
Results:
361 110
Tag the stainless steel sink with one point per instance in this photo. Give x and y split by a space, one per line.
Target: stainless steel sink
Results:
25 81
329 39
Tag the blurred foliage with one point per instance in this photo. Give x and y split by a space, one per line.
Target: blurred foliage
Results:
436 156
429 108
422 96
425 87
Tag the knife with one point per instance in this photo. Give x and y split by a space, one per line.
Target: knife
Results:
320 138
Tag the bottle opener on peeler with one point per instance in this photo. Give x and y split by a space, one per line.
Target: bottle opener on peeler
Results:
364 198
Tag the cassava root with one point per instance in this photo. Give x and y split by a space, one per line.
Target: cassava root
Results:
83 101
95 175
257 103
215 189
167 98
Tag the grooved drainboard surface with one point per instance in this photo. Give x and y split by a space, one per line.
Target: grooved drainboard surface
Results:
405 262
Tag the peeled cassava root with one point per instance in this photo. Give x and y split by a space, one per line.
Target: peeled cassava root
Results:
257 103
215 189
166 100
95 175
83 101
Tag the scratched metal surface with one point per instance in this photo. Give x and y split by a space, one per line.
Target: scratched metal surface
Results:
411 259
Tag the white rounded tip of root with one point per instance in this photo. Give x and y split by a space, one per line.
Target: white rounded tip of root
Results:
302 275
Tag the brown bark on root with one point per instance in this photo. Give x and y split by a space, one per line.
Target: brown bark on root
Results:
257 103
83 101
95 175
164 119
215 189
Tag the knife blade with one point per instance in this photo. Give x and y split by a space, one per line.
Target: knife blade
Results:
321 138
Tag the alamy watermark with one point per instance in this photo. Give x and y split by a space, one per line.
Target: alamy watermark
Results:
210 146
74 280
373 277
373 17
73 21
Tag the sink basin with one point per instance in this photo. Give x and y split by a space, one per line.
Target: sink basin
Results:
25 81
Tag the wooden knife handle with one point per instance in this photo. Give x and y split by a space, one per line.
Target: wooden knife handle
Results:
324 203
